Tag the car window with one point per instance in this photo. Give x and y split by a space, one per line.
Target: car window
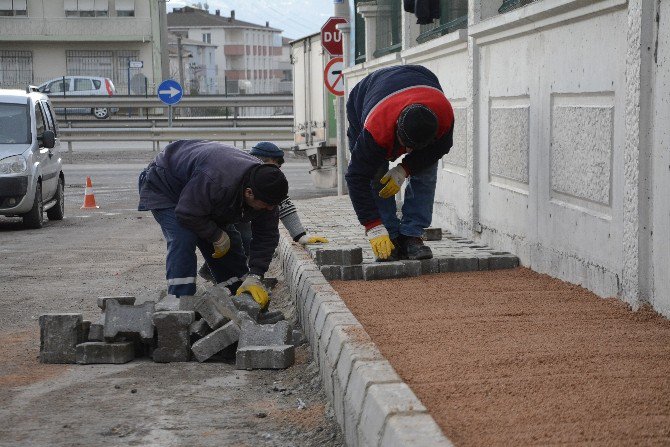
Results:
39 119
57 86
81 85
96 84
14 124
51 117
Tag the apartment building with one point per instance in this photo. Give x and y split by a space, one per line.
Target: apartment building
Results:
40 40
247 55
198 73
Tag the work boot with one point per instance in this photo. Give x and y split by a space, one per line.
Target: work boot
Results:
395 255
413 248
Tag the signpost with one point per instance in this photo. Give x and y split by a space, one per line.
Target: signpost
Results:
333 77
331 37
170 92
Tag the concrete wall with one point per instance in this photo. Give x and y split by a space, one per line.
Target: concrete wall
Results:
561 143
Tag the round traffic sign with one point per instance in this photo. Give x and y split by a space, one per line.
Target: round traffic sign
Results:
170 92
333 76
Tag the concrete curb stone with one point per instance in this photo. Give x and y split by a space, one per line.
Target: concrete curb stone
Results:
371 402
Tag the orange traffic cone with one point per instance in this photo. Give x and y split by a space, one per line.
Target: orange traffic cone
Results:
89 197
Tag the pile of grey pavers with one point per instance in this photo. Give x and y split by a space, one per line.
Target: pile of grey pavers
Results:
450 254
209 324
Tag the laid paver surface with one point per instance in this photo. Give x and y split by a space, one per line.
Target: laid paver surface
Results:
512 357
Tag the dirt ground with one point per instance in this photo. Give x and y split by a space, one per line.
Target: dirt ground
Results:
116 250
512 357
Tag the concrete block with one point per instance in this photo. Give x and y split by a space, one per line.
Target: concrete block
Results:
59 336
352 272
199 328
101 352
432 234
174 336
363 374
508 261
216 341
430 266
459 264
483 262
331 272
383 270
125 300
265 357
417 430
246 303
127 319
381 401
271 317
85 330
187 303
208 308
254 334
347 255
412 268
96 332
297 337
270 282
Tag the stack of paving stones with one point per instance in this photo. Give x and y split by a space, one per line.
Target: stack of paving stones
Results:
206 325
450 254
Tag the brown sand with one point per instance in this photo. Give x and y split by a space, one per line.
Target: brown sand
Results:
512 357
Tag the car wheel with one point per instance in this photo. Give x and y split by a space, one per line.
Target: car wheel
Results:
101 113
58 210
34 218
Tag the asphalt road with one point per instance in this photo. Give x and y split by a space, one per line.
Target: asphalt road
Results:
116 250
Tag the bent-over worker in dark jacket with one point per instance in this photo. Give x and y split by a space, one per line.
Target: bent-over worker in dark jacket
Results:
392 112
197 191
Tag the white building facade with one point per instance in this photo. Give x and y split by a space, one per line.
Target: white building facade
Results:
561 143
40 40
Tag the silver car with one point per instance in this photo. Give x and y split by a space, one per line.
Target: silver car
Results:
31 172
82 86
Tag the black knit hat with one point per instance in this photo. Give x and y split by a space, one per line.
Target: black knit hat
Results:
268 183
417 126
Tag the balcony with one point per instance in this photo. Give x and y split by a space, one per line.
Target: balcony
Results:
75 29
234 50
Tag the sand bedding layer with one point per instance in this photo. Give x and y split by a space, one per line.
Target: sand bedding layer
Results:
512 357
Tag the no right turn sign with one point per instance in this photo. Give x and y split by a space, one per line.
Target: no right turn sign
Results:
333 76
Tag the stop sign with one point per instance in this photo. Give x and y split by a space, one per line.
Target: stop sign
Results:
331 38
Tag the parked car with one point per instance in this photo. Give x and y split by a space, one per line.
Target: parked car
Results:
31 171
82 86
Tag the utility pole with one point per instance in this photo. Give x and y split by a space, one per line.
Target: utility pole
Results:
181 62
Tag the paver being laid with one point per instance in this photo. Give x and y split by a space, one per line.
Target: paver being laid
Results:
348 254
174 336
59 336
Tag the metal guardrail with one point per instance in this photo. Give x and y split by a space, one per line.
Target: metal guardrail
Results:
158 134
186 101
144 122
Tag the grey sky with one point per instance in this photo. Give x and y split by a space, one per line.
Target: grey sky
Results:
297 18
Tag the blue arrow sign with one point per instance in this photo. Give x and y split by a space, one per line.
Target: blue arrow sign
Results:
170 92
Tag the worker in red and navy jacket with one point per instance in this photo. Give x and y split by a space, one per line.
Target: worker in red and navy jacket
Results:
392 112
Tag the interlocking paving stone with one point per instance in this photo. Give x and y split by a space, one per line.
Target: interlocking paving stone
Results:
432 234
331 272
348 255
59 336
209 309
127 319
254 334
174 337
101 352
127 300
246 303
352 272
265 357
200 328
383 270
216 341
96 332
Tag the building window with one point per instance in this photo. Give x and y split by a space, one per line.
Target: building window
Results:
86 8
453 16
13 8
125 8
207 37
509 5
388 27
16 68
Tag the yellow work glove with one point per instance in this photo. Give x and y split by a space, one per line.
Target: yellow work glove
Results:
380 241
306 239
254 287
392 180
221 246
